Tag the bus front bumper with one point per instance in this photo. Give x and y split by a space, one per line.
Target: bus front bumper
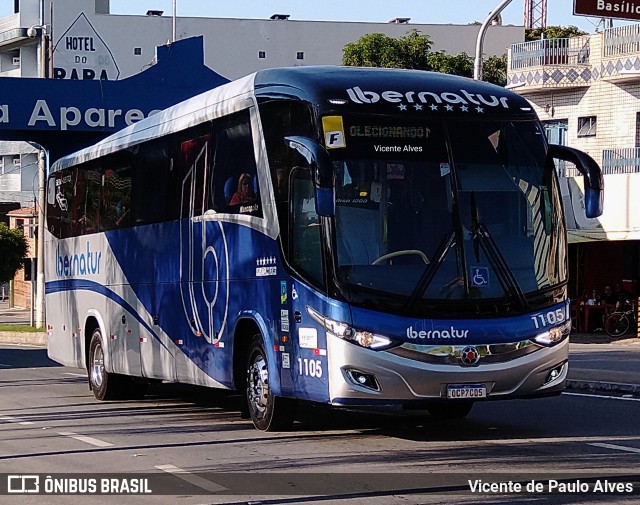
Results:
362 377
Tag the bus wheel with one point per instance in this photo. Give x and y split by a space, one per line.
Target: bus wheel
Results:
268 412
105 386
456 409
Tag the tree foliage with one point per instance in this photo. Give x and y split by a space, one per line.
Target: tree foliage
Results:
553 32
379 50
460 64
494 70
413 51
13 249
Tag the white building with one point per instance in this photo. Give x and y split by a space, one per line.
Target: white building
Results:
586 90
86 36
18 170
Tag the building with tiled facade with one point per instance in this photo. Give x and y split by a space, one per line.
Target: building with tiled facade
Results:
586 91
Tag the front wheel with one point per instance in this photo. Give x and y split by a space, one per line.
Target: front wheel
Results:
268 412
616 324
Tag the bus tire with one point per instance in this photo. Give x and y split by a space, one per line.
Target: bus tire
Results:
456 409
268 412
105 385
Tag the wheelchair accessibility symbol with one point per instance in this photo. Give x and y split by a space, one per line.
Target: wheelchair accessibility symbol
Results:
480 276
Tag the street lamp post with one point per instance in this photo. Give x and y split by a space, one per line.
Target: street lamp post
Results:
477 68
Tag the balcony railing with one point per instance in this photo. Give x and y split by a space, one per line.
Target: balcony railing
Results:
572 51
566 169
621 40
621 161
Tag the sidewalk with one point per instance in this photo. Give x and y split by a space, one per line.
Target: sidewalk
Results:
18 316
596 362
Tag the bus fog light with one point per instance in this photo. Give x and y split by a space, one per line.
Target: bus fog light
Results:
363 379
554 374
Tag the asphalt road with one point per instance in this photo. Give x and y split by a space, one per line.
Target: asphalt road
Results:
193 445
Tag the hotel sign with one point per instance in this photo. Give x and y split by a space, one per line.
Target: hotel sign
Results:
619 9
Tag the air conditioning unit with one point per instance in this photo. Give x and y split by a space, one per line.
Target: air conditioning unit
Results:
16 61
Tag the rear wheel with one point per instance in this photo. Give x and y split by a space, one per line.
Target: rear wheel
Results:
268 412
105 385
616 324
456 409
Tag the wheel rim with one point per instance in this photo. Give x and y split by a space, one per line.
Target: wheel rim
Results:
258 384
97 367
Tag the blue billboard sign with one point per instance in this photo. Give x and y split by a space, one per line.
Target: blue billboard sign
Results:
64 115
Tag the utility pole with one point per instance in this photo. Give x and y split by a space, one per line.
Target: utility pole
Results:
173 32
42 175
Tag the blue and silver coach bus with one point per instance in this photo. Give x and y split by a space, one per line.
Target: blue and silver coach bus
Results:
354 237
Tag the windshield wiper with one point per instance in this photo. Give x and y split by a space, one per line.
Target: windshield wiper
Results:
482 239
425 279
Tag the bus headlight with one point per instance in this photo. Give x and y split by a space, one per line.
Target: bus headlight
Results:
362 338
553 336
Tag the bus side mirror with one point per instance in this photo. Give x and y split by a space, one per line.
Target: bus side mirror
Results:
593 179
321 172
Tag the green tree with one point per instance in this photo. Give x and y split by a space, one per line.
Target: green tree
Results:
494 70
460 64
413 51
553 32
372 50
13 249
379 50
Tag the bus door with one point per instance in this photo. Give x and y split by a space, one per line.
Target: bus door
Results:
309 365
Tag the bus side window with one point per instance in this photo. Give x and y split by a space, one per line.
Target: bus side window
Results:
88 186
194 167
306 244
150 182
116 199
235 181
56 204
64 198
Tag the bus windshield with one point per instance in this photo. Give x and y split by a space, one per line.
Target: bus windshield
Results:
446 210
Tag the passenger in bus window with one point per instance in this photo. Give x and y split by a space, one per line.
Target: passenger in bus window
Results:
281 189
245 193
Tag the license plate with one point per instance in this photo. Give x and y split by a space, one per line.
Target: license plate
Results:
466 391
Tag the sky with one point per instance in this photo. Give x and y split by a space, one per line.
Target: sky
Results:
559 12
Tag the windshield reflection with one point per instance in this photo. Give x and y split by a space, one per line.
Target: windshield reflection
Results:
480 220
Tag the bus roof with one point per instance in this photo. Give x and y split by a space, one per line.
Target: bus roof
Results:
390 91
331 90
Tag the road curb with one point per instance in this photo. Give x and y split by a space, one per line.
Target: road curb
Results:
38 338
611 387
